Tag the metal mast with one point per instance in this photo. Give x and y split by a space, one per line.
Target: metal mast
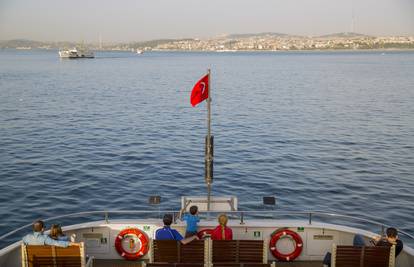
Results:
209 146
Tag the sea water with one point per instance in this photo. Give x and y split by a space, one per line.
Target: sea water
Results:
327 131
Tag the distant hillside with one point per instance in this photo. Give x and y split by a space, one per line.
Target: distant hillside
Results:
155 43
266 41
261 34
20 43
344 35
34 44
151 43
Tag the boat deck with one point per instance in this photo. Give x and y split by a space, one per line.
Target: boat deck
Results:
123 263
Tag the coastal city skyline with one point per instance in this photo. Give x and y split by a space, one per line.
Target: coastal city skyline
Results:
130 21
267 41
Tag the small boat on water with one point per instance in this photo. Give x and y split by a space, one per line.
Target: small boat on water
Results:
139 51
76 53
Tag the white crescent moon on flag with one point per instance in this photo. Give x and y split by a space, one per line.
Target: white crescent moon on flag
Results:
204 87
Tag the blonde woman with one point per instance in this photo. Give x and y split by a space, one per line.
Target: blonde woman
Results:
222 232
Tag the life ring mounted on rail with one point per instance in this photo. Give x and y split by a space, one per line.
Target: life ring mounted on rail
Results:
131 243
204 233
286 233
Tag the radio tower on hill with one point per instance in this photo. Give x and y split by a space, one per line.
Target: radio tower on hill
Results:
353 19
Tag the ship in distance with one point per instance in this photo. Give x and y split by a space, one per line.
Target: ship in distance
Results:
76 52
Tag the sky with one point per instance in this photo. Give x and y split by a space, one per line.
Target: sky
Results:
140 20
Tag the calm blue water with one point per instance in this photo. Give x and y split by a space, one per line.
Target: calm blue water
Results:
329 131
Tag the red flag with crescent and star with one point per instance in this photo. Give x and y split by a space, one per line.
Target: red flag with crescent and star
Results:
200 91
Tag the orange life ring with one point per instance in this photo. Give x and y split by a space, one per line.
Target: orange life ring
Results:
202 233
135 239
286 257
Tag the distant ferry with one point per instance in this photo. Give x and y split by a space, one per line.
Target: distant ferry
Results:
76 53
139 51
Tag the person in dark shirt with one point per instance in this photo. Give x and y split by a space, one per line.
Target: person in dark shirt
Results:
166 233
390 239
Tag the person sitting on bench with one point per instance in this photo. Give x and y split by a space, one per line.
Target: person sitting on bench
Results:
38 238
389 240
222 232
166 233
56 233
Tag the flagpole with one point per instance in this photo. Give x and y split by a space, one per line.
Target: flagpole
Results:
209 105
209 154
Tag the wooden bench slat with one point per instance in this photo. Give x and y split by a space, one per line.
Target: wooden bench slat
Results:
189 264
223 264
165 251
159 264
236 252
376 256
226 253
174 252
349 256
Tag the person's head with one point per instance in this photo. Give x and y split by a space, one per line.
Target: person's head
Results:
193 210
38 226
392 234
222 219
168 219
55 231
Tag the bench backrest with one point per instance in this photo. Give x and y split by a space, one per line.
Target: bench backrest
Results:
377 256
192 252
239 251
38 256
165 251
346 256
70 256
225 251
51 256
174 252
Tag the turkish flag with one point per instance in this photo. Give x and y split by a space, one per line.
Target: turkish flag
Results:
200 91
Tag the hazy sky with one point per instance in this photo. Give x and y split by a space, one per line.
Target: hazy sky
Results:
138 20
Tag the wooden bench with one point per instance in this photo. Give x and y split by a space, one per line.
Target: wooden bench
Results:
239 253
171 253
217 253
52 256
351 256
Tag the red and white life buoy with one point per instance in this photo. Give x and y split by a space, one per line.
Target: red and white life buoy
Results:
286 233
131 243
203 233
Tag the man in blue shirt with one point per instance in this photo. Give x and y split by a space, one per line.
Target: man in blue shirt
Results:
166 233
38 238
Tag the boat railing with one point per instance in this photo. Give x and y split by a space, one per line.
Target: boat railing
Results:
239 215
